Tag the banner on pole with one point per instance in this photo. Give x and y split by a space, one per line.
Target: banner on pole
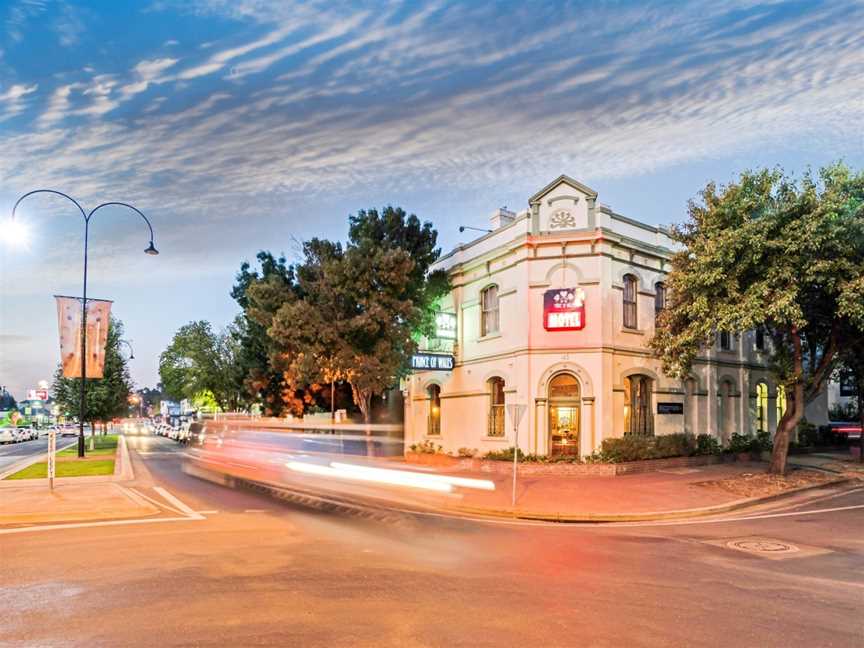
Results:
69 315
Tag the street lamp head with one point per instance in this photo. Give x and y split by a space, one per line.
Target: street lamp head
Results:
151 250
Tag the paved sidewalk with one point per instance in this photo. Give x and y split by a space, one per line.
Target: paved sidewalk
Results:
675 493
70 501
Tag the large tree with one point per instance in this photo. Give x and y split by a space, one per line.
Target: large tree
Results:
354 310
772 252
264 378
199 361
107 397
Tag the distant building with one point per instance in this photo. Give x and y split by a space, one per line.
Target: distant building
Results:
553 310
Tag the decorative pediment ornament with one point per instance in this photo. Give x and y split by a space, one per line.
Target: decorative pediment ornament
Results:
562 219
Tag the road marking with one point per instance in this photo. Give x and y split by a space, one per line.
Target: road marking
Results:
158 504
256 511
84 525
176 502
213 512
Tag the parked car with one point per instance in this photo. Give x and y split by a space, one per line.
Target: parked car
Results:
7 435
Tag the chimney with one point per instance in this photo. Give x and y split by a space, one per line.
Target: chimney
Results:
501 217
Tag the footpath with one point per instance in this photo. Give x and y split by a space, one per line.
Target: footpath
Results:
664 495
27 502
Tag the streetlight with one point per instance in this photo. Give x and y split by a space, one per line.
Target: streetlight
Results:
151 250
131 352
462 228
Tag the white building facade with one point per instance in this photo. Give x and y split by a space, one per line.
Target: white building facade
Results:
552 311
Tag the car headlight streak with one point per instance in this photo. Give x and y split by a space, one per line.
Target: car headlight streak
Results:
436 483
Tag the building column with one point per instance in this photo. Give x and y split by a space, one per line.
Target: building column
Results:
541 418
588 418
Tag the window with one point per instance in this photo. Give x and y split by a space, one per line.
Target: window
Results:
781 403
489 311
761 407
725 341
434 427
760 339
630 319
659 299
638 419
496 407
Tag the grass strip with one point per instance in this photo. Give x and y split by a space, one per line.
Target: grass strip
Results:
67 469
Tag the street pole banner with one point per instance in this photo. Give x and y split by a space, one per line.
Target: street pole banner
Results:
98 314
69 313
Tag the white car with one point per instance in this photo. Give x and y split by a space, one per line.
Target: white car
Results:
7 435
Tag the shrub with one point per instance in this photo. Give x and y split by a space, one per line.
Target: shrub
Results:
740 443
807 433
841 412
762 442
427 447
467 452
707 444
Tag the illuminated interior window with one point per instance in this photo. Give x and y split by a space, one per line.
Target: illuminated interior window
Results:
781 402
496 407
638 417
434 393
761 407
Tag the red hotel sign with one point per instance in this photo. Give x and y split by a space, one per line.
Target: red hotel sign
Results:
564 309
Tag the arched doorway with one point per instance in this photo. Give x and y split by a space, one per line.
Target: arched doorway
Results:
564 415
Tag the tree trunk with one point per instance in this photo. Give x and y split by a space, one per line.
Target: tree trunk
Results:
363 400
332 400
790 420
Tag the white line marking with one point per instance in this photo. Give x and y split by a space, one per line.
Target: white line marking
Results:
256 511
84 525
156 503
213 512
176 502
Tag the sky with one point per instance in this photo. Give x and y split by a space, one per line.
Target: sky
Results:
240 125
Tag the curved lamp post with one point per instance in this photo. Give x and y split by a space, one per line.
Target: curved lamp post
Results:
131 352
151 249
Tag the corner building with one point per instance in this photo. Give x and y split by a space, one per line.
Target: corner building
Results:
552 311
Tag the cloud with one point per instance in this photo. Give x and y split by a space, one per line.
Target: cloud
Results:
16 91
146 73
448 95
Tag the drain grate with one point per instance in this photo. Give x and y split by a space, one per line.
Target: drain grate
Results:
771 547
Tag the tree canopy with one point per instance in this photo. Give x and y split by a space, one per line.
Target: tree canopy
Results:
199 361
349 313
772 252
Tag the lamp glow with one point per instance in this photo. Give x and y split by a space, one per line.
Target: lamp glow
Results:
14 232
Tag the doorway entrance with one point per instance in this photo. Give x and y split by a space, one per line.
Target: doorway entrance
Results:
564 415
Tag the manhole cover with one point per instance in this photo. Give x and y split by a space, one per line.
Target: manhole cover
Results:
762 546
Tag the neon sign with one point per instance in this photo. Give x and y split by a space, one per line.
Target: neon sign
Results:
564 309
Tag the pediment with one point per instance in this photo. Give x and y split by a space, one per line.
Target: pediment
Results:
566 180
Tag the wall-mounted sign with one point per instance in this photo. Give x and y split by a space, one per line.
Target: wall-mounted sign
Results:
670 408
445 326
847 384
37 394
432 362
564 309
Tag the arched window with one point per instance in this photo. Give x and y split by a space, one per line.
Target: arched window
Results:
434 427
781 403
496 407
761 407
659 299
489 311
638 417
630 284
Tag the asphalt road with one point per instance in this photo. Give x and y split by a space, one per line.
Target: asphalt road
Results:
256 571
11 453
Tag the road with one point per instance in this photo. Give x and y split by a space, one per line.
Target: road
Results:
255 571
11 453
